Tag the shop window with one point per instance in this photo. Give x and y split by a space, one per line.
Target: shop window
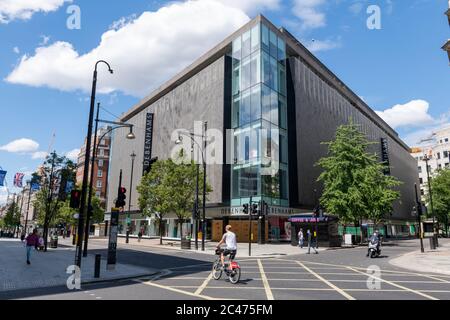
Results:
237 49
273 44
255 38
246 44
236 111
283 111
255 103
245 109
265 38
281 50
274 107
255 66
246 74
266 103
236 79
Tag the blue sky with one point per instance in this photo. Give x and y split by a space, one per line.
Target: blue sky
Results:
46 68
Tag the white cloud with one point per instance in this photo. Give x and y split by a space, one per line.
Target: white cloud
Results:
323 45
21 146
16 50
45 40
143 52
39 155
24 9
73 155
412 114
421 137
308 11
356 8
252 6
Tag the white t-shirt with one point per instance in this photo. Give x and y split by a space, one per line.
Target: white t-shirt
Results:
230 240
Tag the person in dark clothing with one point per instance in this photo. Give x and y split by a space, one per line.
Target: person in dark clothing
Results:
32 241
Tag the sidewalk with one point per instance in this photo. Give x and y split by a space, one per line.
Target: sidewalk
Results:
258 251
436 261
49 269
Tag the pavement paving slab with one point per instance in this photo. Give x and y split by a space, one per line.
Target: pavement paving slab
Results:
49 269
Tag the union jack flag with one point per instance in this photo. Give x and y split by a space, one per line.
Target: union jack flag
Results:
18 180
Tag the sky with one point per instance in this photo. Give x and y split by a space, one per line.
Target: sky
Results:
49 48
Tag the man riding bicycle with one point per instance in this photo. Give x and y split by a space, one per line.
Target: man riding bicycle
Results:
229 238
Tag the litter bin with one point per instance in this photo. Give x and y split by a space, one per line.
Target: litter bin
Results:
186 243
54 243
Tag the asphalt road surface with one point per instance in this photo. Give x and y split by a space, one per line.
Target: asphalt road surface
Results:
344 274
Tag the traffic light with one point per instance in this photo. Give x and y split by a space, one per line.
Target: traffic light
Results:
75 199
245 208
120 203
255 209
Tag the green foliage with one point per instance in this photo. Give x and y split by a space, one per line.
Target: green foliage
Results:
12 216
47 202
355 186
440 187
170 187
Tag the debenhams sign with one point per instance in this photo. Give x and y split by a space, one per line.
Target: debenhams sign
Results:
148 142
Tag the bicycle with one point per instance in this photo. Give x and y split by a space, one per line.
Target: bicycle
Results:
234 275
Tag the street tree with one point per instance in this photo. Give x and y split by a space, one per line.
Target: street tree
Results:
169 188
54 173
12 216
355 186
440 187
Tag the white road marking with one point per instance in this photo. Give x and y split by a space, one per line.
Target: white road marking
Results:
204 284
149 283
265 282
383 270
342 292
394 284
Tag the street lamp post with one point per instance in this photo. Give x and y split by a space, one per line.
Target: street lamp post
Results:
196 206
133 157
419 220
204 188
91 182
129 136
426 159
87 156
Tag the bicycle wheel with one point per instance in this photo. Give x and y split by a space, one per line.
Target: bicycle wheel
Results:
235 276
217 270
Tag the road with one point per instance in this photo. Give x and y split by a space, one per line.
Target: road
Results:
332 275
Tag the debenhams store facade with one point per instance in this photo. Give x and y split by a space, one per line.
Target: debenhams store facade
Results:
280 103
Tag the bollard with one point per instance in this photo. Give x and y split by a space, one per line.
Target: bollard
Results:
98 259
433 243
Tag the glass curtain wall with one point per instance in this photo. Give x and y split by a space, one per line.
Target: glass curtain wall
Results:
259 118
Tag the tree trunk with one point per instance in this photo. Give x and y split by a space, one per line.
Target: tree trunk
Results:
160 232
360 232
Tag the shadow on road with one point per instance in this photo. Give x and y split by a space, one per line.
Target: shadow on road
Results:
144 259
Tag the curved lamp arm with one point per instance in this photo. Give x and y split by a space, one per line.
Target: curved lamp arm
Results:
193 140
103 61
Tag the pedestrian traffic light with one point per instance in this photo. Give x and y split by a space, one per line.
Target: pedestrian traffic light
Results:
245 208
75 199
120 203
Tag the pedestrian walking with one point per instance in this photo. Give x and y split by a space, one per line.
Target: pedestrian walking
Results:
310 244
32 241
140 234
301 238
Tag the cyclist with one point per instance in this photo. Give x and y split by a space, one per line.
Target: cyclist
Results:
229 238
